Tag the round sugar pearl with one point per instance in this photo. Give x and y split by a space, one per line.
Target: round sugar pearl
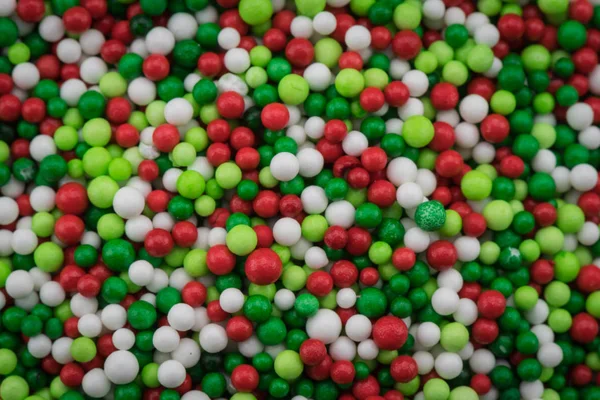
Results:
91 42
401 170
51 28
466 313
285 299
141 272
580 116
315 258
445 301
231 300
181 317
171 374
52 294
324 23
473 108
340 213
355 143
165 339
26 75
19 284
39 346
448 365
358 38
409 195
287 231
417 82
228 38
428 334
310 162
89 325
123 339
314 200
93 69
113 317
284 166
141 91
358 327
178 111
183 26
482 361
160 40
424 360
128 202
583 177
121 367
325 325
367 350
301 27
550 355
187 353
237 60
95 383
213 338
68 51
346 298
342 349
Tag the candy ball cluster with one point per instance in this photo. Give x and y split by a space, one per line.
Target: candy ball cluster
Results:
299 199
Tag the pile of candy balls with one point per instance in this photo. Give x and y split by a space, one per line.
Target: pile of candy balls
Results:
299 199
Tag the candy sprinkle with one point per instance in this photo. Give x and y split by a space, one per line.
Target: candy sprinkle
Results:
299 199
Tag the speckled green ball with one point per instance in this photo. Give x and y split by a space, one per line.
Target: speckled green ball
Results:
430 216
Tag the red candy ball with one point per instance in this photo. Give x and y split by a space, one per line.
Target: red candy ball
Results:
263 267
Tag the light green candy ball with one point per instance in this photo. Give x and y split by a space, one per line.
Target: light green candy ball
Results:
476 185
310 8
288 365
96 132
550 239
498 215
480 58
83 349
190 184
436 389
101 191
349 82
14 388
407 16
454 337
48 257
228 175
241 240
417 131
255 12
570 218
293 89
8 361
463 393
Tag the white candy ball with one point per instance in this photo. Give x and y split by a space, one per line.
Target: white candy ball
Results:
231 300
284 166
448 365
583 177
165 339
287 231
128 202
473 108
445 301
213 338
325 325
121 367
181 317
171 374
160 40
